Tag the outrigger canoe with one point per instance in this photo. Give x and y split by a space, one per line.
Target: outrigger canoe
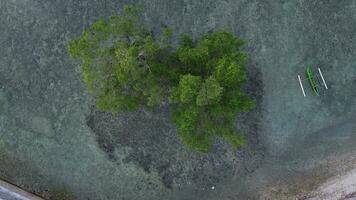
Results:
312 81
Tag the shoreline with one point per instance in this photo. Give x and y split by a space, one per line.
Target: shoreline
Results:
340 187
8 190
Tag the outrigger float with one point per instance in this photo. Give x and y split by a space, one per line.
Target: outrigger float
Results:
315 81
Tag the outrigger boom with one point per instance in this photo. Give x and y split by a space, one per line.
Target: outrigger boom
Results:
301 85
322 77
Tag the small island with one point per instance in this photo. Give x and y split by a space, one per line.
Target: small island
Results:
126 67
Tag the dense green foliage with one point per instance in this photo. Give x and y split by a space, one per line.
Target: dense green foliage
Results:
125 67
208 95
121 62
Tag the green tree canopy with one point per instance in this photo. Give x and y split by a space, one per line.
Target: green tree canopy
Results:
124 66
210 92
119 59
187 89
219 63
